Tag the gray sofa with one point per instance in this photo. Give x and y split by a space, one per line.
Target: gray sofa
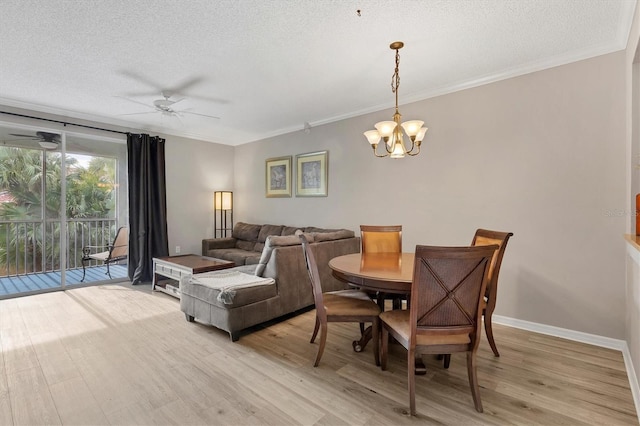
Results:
279 257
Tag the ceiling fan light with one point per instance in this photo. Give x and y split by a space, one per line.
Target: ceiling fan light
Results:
48 145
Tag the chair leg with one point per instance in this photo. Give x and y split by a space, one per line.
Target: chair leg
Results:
473 380
361 329
489 330
323 341
315 330
447 360
375 335
411 380
84 271
384 347
109 272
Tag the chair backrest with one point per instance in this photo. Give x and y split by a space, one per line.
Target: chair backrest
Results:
120 247
446 293
381 239
484 237
314 277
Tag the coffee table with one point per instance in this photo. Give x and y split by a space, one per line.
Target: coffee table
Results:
176 267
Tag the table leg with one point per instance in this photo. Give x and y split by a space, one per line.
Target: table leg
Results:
359 345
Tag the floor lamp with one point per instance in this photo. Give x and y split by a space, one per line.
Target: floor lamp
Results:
222 213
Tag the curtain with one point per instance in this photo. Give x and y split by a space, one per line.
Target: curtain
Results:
147 205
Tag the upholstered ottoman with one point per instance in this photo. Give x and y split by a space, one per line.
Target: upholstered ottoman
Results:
229 300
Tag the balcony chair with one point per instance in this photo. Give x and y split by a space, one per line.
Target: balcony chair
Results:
338 306
445 311
115 252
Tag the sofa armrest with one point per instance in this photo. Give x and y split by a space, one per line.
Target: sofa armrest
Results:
217 243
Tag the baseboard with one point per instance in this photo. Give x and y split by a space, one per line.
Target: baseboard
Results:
633 379
578 336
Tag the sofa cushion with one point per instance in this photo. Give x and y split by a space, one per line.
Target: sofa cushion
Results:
330 236
267 230
245 245
289 230
246 231
236 255
310 229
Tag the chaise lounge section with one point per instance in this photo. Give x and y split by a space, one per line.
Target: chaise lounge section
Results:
280 258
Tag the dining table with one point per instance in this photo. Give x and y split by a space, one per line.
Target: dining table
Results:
380 273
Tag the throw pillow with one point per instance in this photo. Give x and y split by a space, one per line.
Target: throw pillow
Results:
246 232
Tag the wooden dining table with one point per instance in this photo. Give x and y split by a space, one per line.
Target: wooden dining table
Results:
384 273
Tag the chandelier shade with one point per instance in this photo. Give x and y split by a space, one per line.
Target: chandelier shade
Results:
391 131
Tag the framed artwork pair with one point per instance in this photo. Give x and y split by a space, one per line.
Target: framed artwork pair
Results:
311 175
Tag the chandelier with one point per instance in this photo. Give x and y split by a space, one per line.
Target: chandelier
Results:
391 131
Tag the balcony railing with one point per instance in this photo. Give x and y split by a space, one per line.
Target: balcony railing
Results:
32 246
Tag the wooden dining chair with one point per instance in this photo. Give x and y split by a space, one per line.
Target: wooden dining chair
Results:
445 311
485 237
338 306
381 239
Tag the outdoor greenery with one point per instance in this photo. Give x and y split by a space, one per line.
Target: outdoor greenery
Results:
90 193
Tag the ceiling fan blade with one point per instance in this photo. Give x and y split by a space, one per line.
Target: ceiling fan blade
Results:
20 140
144 80
201 115
34 137
182 87
140 113
210 99
135 102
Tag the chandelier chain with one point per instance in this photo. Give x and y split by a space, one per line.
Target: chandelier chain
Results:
395 78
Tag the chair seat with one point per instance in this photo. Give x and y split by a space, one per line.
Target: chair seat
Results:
102 256
349 303
398 320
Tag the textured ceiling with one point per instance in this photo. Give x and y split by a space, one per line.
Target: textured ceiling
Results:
265 67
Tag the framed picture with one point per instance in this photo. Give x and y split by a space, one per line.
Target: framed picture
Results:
278 177
311 174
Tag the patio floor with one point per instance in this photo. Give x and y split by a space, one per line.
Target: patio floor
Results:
48 280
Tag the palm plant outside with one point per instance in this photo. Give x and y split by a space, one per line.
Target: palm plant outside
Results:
29 230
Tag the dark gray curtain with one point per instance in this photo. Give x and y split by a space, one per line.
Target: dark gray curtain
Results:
147 205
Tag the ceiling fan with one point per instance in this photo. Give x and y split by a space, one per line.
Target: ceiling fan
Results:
166 107
45 139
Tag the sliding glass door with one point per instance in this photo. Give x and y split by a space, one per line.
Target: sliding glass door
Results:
60 194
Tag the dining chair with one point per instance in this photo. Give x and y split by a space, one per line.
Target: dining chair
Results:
381 239
481 238
339 306
445 311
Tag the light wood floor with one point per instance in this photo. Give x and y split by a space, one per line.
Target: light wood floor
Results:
114 355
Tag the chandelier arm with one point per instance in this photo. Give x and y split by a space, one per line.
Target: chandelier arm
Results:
413 154
375 151
389 150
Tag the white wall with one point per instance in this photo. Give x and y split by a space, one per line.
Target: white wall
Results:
195 169
541 155
632 319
